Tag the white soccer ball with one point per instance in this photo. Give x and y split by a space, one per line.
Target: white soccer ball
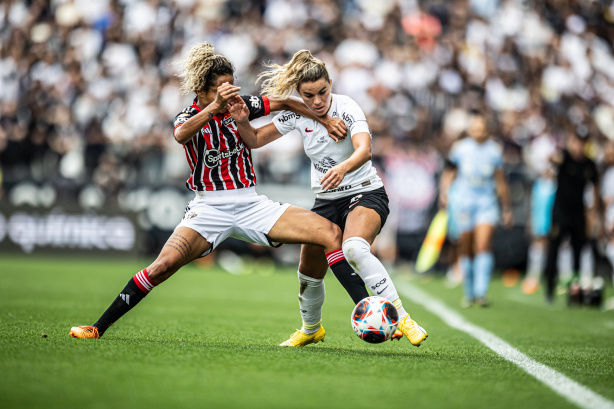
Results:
374 319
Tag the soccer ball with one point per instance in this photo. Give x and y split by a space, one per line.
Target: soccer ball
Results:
374 319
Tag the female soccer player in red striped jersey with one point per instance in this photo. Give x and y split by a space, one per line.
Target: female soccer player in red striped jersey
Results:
223 179
348 190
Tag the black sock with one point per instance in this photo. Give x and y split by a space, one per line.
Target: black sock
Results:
137 288
346 275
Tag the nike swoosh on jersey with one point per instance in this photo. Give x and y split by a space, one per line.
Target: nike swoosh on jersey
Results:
308 130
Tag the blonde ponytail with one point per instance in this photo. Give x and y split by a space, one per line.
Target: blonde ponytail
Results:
201 66
281 81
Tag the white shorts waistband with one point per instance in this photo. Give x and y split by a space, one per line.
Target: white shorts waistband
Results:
248 191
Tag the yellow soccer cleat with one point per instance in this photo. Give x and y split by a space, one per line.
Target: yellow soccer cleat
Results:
396 336
84 331
414 332
300 339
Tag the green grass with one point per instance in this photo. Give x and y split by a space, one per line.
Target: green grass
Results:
208 339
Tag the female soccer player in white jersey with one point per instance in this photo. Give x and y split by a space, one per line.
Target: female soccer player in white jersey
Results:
475 165
223 179
348 190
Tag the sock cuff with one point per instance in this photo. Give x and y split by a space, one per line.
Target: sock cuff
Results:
360 241
304 278
335 256
143 281
313 326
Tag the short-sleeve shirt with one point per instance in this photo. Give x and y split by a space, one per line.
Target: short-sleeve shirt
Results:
325 153
476 164
216 154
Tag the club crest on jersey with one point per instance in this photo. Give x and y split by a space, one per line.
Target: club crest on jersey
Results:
227 121
325 164
213 157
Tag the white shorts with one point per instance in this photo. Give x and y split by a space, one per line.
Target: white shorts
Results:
239 213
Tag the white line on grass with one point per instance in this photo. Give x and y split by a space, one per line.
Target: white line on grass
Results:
569 389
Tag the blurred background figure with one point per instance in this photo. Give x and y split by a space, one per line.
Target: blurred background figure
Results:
477 165
574 171
542 199
607 195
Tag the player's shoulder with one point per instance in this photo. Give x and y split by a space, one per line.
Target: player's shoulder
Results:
461 144
495 146
287 117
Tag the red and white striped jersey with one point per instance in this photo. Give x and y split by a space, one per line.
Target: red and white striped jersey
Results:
218 158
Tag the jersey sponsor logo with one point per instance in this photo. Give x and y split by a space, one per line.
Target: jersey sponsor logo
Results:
182 118
255 102
324 165
348 119
308 130
286 117
340 189
213 157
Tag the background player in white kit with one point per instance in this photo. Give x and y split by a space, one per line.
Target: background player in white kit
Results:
348 190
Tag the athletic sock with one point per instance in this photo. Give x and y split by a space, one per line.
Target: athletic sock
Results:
467 266
371 270
351 281
482 270
537 260
310 299
137 288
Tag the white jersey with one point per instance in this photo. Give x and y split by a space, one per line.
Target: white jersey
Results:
326 153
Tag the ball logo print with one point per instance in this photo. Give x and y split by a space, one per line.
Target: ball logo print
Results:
374 319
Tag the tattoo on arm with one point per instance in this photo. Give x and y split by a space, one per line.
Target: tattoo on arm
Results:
181 244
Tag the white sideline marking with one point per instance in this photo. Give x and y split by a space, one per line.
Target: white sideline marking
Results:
568 388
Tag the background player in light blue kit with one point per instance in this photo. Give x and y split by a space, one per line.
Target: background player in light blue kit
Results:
476 166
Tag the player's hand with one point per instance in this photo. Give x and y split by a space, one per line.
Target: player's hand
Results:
508 218
225 93
333 177
336 128
238 109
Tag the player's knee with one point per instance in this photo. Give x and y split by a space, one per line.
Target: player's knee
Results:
333 237
355 249
162 269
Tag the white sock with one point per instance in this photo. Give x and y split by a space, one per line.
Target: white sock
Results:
537 259
310 299
587 262
357 252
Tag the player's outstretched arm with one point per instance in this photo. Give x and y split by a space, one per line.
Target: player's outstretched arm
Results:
252 137
336 128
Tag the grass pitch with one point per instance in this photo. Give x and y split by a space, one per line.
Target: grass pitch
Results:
207 338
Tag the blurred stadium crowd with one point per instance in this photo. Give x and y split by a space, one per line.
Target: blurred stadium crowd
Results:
89 89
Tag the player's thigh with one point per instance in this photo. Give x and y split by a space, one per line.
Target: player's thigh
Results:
362 222
313 261
482 236
298 225
183 246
